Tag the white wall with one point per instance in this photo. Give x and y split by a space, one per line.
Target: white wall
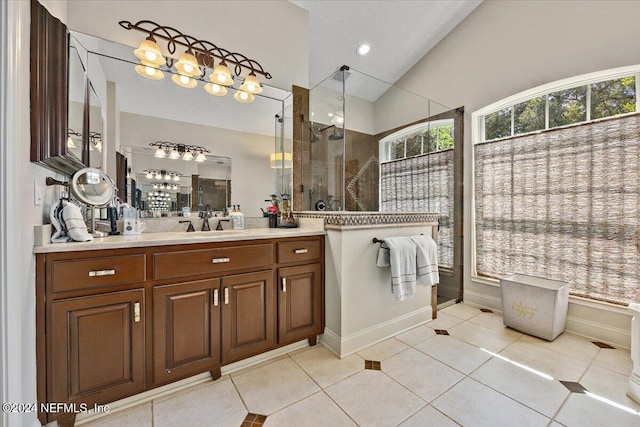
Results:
19 216
252 179
503 48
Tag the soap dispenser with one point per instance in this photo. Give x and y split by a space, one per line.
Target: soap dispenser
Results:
237 218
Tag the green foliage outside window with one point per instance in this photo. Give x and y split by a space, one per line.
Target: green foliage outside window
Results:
613 97
529 115
498 124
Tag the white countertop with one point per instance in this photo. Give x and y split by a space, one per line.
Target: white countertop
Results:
176 238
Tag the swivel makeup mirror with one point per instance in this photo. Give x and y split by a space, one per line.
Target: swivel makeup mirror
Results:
95 189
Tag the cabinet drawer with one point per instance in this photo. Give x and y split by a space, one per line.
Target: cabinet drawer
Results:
301 250
68 275
169 265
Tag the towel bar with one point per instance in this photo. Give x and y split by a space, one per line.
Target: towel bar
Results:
376 240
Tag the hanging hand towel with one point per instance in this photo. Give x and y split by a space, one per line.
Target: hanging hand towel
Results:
402 256
426 260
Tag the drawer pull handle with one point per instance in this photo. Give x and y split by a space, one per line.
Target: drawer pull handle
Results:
226 295
136 312
215 297
284 284
97 273
301 251
220 260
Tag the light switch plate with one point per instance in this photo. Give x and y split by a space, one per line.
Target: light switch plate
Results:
37 193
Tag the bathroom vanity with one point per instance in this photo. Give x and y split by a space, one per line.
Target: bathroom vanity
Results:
130 313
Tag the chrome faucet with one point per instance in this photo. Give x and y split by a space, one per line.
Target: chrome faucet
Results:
190 228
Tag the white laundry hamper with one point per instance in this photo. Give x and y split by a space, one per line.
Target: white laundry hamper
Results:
535 305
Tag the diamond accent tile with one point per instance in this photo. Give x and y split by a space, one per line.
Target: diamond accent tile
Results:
254 420
372 364
602 344
441 332
573 387
486 310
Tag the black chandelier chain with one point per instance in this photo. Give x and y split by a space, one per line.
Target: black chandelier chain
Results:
204 50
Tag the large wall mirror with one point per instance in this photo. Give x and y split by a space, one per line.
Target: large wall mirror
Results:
239 139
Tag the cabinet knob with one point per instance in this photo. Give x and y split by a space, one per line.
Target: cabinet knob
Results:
301 251
97 273
220 260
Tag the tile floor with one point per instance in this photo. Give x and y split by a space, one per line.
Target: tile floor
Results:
480 374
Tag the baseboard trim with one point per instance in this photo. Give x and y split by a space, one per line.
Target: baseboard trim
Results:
478 300
352 343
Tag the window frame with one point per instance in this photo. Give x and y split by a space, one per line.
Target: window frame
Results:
478 128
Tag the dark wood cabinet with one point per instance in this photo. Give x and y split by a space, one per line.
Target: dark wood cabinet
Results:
248 315
186 335
300 303
113 323
97 347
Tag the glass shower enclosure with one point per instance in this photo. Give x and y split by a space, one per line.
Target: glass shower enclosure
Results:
367 145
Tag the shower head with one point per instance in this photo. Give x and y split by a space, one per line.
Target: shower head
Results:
335 135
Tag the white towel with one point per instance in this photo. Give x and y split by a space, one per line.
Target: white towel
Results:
75 225
402 257
426 260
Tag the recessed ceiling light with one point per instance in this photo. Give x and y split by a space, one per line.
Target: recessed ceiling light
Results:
363 49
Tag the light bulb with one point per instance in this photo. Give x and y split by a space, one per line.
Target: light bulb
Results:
244 95
149 70
187 156
176 178
167 177
184 79
174 154
149 175
201 157
160 153
158 175
71 143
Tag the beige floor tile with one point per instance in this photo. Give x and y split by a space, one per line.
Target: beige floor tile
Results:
482 337
325 367
559 366
580 410
489 320
455 353
611 385
473 404
618 360
139 416
428 416
444 321
314 411
371 398
421 374
215 404
534 391
462 311
383 350
416 335
568 344
272 387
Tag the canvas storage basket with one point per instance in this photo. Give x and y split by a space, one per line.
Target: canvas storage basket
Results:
534 305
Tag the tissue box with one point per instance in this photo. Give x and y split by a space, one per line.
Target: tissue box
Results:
534 305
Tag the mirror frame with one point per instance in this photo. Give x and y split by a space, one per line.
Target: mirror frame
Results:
49 46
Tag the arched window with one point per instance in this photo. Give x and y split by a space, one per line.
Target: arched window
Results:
557 184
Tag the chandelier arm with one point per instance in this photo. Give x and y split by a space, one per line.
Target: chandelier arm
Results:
175 37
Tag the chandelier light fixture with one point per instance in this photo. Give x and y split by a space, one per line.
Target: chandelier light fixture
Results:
192 65
162 174
71 137
175 151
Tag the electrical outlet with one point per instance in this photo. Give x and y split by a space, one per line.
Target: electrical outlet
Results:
37 193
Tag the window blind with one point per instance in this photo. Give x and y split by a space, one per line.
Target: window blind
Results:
563 204
422 184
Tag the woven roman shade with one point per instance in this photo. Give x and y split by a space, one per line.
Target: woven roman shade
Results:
422 184
563 204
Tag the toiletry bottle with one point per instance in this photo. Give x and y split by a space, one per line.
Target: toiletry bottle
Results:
273 217
240 219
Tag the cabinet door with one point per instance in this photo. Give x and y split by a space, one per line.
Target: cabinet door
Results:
248 315
97 347
186 329
300 303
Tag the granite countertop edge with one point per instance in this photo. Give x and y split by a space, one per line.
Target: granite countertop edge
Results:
176 238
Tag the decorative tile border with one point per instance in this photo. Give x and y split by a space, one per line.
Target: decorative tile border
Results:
368 219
